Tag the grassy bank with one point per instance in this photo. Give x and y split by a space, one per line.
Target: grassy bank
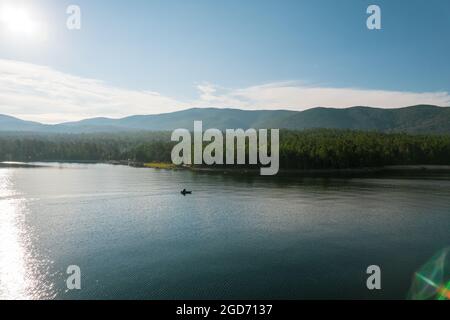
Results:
161 165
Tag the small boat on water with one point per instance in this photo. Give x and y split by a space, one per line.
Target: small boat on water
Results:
184 192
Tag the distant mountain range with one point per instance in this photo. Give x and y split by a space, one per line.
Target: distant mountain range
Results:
415 119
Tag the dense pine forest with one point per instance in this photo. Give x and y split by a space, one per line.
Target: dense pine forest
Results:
309 149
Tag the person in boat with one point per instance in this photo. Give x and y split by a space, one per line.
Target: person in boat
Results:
185 192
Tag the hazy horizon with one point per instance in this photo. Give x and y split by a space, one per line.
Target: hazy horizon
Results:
216 108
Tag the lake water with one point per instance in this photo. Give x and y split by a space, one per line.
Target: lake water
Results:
237 237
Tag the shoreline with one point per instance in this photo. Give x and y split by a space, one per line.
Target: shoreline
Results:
402 169
235 170
22 165
347 171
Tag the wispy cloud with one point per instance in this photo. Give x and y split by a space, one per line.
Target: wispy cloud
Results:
289 95
43 94
40 93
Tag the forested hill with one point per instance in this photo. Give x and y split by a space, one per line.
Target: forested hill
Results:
416 119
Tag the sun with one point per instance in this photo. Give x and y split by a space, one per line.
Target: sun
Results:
18 21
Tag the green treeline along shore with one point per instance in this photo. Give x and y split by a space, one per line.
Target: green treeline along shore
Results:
315 149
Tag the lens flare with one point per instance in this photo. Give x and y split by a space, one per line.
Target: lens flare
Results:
432 281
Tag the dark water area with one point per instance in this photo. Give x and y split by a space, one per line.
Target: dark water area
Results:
236 237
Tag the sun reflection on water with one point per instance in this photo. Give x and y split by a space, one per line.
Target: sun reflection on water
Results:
20 272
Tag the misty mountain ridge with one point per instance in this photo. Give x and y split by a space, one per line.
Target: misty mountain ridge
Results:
414 119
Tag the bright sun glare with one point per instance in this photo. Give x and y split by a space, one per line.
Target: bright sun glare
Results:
18 21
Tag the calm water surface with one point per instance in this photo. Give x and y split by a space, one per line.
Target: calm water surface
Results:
135 237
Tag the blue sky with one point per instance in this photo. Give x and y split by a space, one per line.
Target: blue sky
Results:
235 53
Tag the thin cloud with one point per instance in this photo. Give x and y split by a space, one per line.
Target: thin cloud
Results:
300 97
43 94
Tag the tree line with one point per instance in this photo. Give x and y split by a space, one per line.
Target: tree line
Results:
308 149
